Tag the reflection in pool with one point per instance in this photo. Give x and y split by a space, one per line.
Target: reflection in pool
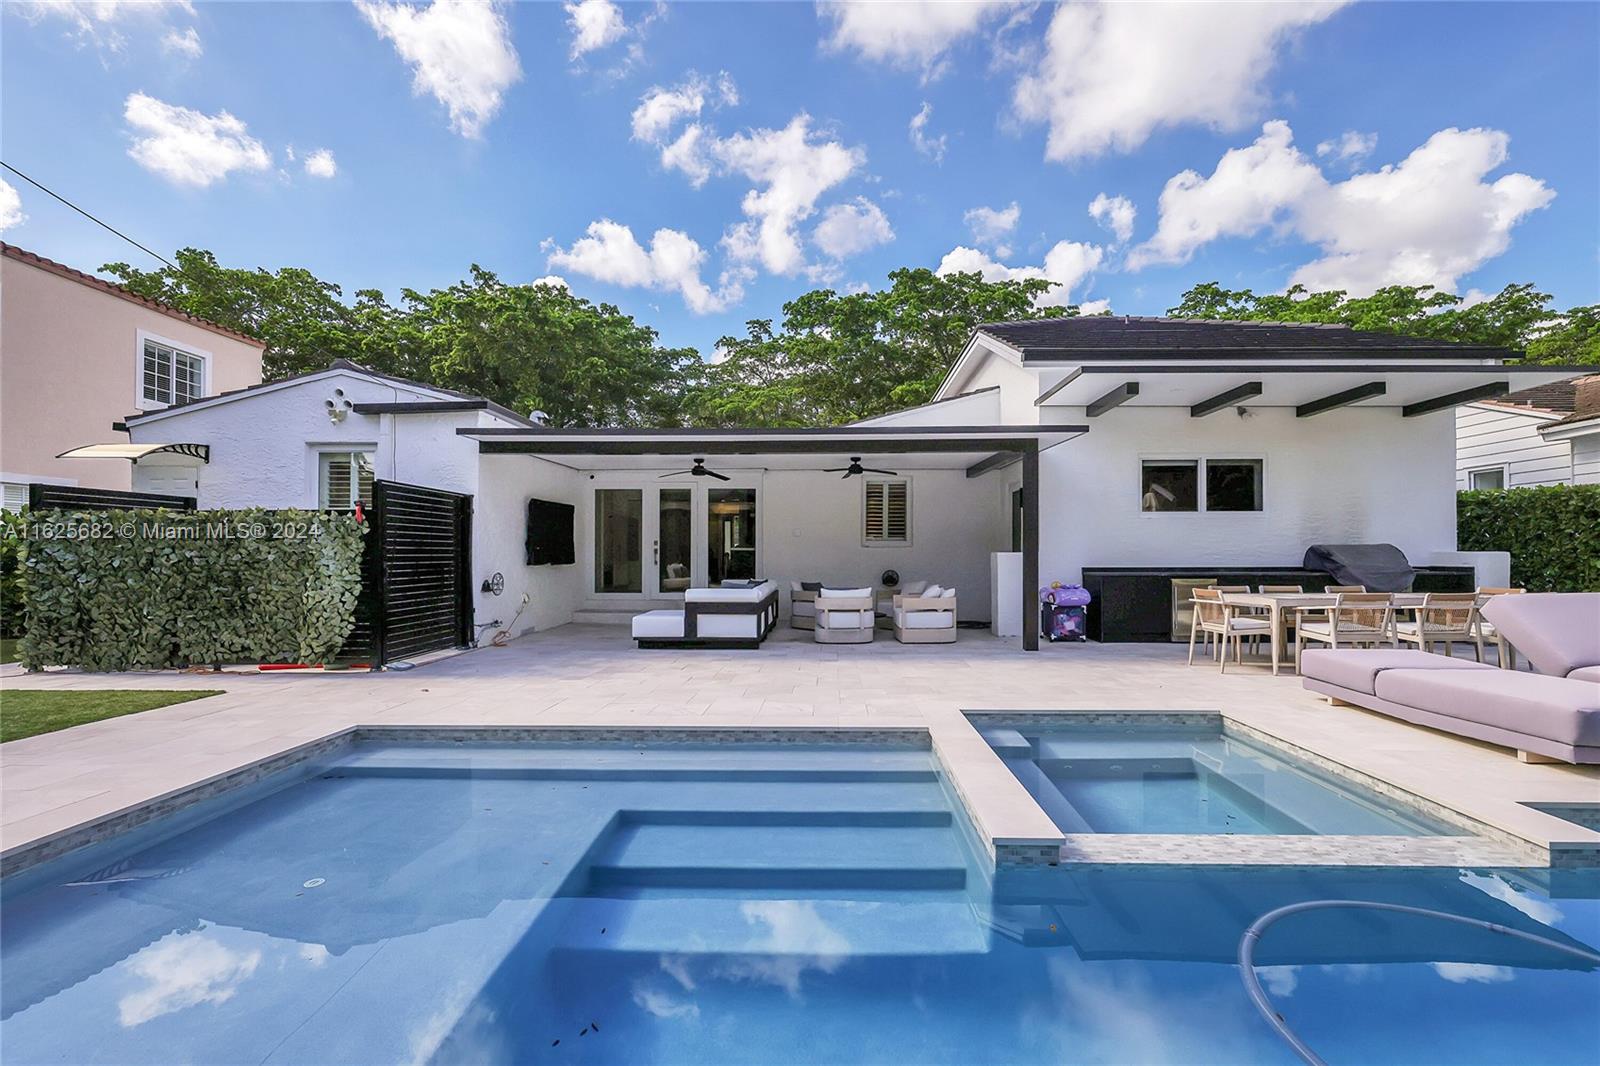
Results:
758 905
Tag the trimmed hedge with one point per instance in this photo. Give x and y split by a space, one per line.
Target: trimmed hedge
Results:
141 590
1552 533
11 605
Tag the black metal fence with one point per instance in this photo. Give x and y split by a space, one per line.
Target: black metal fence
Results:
62 497
416 575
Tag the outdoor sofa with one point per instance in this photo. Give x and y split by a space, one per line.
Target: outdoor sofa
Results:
724 617
1553 715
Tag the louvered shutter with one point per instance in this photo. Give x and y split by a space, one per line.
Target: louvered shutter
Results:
887 516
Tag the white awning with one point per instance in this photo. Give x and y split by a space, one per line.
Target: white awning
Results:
145 454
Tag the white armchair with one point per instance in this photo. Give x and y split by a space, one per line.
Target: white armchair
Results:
844 616
929 618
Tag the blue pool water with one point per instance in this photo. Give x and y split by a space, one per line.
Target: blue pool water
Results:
612 905
1137 779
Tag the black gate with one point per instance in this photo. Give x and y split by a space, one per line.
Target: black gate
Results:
416 574
65 498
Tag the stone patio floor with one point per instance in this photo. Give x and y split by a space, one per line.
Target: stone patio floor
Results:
580 675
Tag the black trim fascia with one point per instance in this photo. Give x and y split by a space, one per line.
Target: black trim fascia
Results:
883 446
419 407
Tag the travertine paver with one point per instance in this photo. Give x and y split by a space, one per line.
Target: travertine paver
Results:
593 675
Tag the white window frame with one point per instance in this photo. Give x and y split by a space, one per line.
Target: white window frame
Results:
1202 504
1505 476
370 451
869 480
140 401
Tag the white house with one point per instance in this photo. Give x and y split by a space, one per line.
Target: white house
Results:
1059 446
1531 437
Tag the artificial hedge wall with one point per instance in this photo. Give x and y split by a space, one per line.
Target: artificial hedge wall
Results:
139 590
1552 533
11 609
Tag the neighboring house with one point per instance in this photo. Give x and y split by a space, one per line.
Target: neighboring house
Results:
77 353
1058 447
1513 441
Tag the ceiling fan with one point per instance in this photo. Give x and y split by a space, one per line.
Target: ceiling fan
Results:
698 470
856 468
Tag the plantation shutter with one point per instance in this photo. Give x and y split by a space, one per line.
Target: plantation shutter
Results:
343 472
888 512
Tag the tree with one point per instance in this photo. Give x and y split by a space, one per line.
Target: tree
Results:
1574 339
838 357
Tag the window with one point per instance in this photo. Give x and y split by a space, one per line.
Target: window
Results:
1493 477
170 376
886 513
1233 484
343 479
1192 485
16 496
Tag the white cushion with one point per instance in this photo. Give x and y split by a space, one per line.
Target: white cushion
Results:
658 624
948 594
933 590
794 586
844 592
668 625
844 619
924 619
913 588
725 595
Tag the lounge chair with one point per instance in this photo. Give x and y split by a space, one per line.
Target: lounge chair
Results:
1557 632
845 616
724 617
926 619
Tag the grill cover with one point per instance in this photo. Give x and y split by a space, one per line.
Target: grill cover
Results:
1380 567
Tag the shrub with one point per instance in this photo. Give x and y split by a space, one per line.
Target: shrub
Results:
11 608
139 590
1552 533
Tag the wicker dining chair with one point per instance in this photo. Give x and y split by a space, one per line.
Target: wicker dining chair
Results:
1223 620
1442 618
1356 618
1485 629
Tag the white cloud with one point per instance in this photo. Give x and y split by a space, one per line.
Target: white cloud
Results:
909 34
101 22
10 207
1094 307
186 43
1460 973
555 281
1351 147
792 169
1112 73
1115 213
852 228
1279 981
321 164
460 52
661 109
991 227
595 24
1428 220
1068 264
609 252
932 147
188 147
183 971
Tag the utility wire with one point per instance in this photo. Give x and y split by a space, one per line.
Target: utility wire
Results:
103 225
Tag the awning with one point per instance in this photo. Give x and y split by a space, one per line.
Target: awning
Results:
144 454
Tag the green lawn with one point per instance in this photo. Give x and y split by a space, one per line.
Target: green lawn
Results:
29 713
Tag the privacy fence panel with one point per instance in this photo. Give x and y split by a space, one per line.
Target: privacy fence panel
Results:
422 596
63 498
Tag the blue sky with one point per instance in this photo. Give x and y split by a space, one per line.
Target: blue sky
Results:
698 164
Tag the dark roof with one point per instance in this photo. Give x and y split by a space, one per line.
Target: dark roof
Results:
22 255
1559 396
1126 337
476 402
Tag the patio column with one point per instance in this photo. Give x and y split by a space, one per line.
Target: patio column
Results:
1030 546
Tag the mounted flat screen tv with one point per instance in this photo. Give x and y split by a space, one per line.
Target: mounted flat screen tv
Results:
550 528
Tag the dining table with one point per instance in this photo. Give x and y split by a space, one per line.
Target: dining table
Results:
1280 605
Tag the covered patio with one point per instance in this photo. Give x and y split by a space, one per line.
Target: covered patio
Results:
665 510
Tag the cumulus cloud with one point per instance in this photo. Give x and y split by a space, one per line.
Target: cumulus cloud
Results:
321 164
909 34
1110 74
1461 973
1351 147
1427 220
1115 213
924 142
852 228
460 52
183 971
10 207
595 24
186 43
609 252
101 22
1068 264
992 227
188 147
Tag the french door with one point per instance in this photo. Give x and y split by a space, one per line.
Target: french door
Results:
654 542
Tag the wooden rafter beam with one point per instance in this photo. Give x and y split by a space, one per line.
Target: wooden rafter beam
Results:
1115 398
1456 399
1341 399
1248 391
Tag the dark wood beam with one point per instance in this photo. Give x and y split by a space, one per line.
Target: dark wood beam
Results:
1030 550
1115 398
1068 379
1456 399
1249 390
1341 399
997 461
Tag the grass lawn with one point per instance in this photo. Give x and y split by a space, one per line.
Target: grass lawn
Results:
29 713
8 649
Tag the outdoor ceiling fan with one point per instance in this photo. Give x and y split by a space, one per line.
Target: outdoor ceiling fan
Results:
698 470
856 468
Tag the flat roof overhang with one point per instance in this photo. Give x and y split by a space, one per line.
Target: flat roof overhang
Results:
841 441
1416 388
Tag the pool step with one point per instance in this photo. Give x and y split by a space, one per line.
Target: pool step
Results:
1007 743
749 854
937 924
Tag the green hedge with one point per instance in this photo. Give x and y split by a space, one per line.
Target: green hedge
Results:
139 590
1552 533
11 608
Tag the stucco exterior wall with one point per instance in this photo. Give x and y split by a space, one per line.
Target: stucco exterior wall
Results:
499 527
70 358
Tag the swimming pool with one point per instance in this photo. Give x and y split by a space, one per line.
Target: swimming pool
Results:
456 903
1191 780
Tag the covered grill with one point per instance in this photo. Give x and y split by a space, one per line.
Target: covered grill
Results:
1377 567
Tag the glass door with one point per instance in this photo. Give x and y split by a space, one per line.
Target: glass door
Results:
730 534
619 541
674 541
657 542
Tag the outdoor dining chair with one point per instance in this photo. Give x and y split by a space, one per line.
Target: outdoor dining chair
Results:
1442 618
1222 620
1354 619
1485 629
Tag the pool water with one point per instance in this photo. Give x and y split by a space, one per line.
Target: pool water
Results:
1192 781
619 905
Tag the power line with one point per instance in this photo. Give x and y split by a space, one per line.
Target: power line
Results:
103 225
